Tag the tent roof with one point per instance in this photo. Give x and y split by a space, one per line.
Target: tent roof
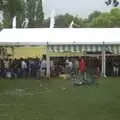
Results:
42 36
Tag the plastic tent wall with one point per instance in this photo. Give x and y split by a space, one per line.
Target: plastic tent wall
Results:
42 36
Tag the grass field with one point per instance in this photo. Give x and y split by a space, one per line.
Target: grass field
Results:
29 100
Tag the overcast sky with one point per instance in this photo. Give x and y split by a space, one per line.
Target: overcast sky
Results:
75 7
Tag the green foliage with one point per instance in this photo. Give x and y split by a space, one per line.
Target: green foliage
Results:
39 13
93 15
14 7
46 23
78 22
111 19
115 13
95 19
104 20
63 21
33 10
35 13
6 21
31 5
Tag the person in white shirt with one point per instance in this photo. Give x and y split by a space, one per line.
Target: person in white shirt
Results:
43 67
6 67
23 68
23 65
43 64
69 66
116 69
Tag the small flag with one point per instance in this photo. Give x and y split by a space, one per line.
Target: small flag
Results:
14 22
71 24
52 19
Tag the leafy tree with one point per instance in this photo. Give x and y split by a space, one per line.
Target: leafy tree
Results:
31 6
32 9
63 21
7 21
104 20
12 8
110 19
116 17
35 13
93 15
3 4
46 23
39 12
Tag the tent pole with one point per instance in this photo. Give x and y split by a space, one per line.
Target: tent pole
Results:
48 62
103 61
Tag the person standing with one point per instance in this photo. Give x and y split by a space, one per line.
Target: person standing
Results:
23 67
116 69
70 67
6 67
43 67
76 66
82 70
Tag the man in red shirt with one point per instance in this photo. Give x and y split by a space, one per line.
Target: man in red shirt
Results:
82 69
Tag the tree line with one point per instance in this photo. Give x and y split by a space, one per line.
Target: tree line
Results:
33 10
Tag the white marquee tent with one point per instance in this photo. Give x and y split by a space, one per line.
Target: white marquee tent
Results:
63 36
37 36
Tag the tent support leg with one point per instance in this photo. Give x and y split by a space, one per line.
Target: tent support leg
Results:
103 62
48 63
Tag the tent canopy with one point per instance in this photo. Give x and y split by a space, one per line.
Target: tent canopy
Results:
51 36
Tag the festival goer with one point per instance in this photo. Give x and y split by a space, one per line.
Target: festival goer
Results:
6 67
76 66
23 68
43 66
115 69
82 69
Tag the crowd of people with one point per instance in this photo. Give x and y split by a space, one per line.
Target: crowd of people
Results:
36 68
21 68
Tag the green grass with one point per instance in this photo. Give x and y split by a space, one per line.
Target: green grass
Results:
50 102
